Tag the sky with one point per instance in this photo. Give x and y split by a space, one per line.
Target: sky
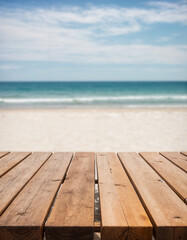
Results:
100 40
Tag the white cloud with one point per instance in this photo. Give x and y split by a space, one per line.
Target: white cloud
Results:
86 34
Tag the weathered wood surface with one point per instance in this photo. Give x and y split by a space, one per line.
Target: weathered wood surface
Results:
13 181
72 216
11 160
176 158
2 154
34 190
166 210
122 214
25 217
167 170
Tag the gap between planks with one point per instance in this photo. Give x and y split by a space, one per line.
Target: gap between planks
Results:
11 160
166 170
176 158
12 183
2 154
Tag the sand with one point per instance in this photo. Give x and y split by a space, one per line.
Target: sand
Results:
94 130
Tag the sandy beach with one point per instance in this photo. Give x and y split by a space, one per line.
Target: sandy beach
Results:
130 129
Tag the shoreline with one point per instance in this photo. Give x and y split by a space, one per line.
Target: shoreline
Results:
83 109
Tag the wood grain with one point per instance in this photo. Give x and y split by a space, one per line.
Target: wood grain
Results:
29 210
167 170
11 160
176 158
13 182
114 224
2 154
166 210
72 216
122 214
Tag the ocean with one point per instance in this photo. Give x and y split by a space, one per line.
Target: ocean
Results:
92 94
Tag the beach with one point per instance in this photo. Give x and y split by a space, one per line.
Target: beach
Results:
94 129
93 120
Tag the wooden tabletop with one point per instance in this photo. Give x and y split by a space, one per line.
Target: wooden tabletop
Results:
53 195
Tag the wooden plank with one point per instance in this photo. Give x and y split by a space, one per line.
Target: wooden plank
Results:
2 154
25 217
114 224
13 182
166 210
176 158
174 176
11 160
122 214
72 216
184 153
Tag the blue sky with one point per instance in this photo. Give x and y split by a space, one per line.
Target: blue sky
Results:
93 40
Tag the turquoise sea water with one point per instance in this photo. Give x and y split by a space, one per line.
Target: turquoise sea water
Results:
92 94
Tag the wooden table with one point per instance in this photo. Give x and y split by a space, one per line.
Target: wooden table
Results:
51 195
